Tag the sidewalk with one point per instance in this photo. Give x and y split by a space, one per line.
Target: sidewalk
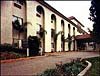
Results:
36 65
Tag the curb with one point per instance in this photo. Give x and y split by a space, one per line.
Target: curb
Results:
82 73
18 59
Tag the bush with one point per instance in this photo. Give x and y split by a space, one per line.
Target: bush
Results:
10 55
10 48
8 51
6 47
49 72
68 69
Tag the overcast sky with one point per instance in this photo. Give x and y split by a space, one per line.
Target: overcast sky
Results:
78 9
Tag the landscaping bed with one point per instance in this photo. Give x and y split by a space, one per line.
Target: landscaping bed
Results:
8 51
10 55
68 69
74 68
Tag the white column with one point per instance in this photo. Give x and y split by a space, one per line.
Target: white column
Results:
75 45
27 52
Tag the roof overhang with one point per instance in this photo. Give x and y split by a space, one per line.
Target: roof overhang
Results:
84 36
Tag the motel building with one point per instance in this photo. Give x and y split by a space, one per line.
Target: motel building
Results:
21 19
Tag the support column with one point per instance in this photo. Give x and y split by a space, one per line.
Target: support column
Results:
75 45
27 52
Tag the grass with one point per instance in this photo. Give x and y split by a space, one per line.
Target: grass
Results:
95 69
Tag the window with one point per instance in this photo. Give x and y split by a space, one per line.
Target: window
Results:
69 26
38 15
20 1
52 45
15 42
16 5
73 30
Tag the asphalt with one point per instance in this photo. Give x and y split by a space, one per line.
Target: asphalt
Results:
36 65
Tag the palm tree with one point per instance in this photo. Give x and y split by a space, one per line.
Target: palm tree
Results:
42 32
69 40
55 38
16 24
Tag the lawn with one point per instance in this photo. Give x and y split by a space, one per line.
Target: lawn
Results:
95 69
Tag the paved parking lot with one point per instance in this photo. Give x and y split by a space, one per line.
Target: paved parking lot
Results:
38 64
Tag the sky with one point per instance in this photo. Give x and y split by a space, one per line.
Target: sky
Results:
78 9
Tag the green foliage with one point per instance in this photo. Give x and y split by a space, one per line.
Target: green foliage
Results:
95 17
10 55
56 35
68 69
49 72
16 25
33 45
42 32
6 47
95 70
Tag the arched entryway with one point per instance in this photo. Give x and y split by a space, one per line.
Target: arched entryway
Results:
40 24
62 36
74 39
53 33
69 38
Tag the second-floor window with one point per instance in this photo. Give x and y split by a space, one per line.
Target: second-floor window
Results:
20 1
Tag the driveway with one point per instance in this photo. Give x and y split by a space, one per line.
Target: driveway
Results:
36 65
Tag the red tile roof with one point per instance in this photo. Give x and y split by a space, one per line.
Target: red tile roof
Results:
85 36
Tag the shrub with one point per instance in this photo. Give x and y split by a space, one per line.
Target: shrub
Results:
10 48
10 55
68 69
6 47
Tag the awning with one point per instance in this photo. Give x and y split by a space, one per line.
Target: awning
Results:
84 36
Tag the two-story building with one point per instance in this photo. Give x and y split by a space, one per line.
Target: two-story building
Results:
33 15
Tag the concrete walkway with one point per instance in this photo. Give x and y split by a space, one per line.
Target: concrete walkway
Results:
36 65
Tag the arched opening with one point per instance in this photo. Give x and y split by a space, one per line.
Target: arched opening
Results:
53 33
40 24
62 36
69 37
74 39
69 29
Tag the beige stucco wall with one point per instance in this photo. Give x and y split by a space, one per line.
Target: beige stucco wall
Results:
66 35
58 28
7 11
6 23
31 17
19 13
28 14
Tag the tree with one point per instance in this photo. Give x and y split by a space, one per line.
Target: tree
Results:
95 18
42 32
16 24
69 42
55 36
